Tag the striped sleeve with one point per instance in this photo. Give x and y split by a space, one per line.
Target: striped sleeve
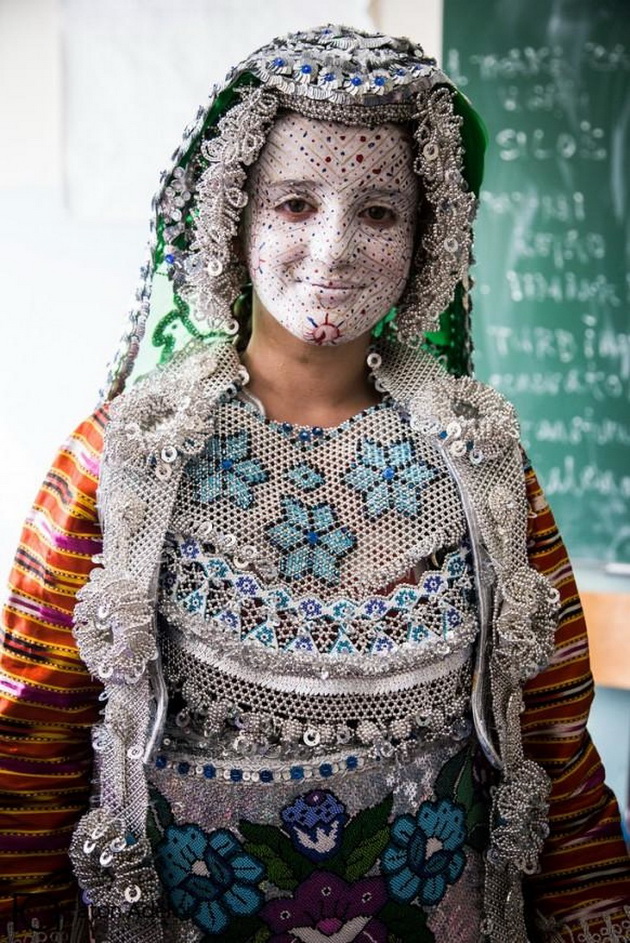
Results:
583 890
48 701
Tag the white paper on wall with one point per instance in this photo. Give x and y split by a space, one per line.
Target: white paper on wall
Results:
135 72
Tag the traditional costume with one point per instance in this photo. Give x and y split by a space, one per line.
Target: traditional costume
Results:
344 674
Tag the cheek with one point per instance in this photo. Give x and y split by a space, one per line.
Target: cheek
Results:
389 253
270 246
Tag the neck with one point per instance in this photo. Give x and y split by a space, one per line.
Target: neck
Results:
303 383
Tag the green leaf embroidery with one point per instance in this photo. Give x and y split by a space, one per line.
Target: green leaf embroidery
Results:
406 923
242 930
287 863
161 809
446 784
278 871
364 856
366 824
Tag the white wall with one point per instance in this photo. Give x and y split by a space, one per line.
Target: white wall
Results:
94 98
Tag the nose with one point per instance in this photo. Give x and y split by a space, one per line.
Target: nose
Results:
334 237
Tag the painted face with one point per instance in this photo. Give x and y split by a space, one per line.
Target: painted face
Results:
330 226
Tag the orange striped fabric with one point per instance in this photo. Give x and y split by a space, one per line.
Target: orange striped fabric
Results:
48 702
585 878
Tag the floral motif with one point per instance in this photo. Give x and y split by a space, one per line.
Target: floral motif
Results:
315 824
389 477
209 878
312 540
325 906
425 853
228 469
305 477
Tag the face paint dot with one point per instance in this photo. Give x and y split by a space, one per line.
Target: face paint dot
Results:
328 159
359 158
363 138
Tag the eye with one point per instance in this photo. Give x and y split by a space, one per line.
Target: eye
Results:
383 215
295 208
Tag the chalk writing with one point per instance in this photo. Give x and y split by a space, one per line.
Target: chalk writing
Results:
568 478
568 286
541 144
563 207
598 385
578 430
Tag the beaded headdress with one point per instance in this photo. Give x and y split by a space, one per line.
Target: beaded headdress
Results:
193 277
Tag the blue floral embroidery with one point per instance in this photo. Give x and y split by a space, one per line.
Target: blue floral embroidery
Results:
189 548
312 540
425 853
315 823
305 477
227 469
389 477
209 878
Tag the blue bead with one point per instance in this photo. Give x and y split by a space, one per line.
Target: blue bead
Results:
160 762
287 427
443 434
388 473
209 771
317 430
227 464
326 770
312 537
278 62
329 77
170 258
183 768
356 80
306 69
352 762
305 436
296 772
379 80
266 776
236 775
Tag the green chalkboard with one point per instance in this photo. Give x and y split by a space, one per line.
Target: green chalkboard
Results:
551 322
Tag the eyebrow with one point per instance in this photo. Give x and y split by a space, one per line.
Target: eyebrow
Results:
302 183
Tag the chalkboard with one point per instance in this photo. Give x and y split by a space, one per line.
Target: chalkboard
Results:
551 322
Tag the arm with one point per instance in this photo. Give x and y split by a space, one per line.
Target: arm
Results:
583 890
48 701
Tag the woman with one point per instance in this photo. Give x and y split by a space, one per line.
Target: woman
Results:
323 617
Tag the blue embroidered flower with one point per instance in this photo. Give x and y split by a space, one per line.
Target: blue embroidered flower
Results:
189 548
227 469
208 877
389 477
305 477
194 602
247 586
315 824
425 854
311 608
312 540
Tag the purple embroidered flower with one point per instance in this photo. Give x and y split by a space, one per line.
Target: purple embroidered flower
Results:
315 823
326 907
